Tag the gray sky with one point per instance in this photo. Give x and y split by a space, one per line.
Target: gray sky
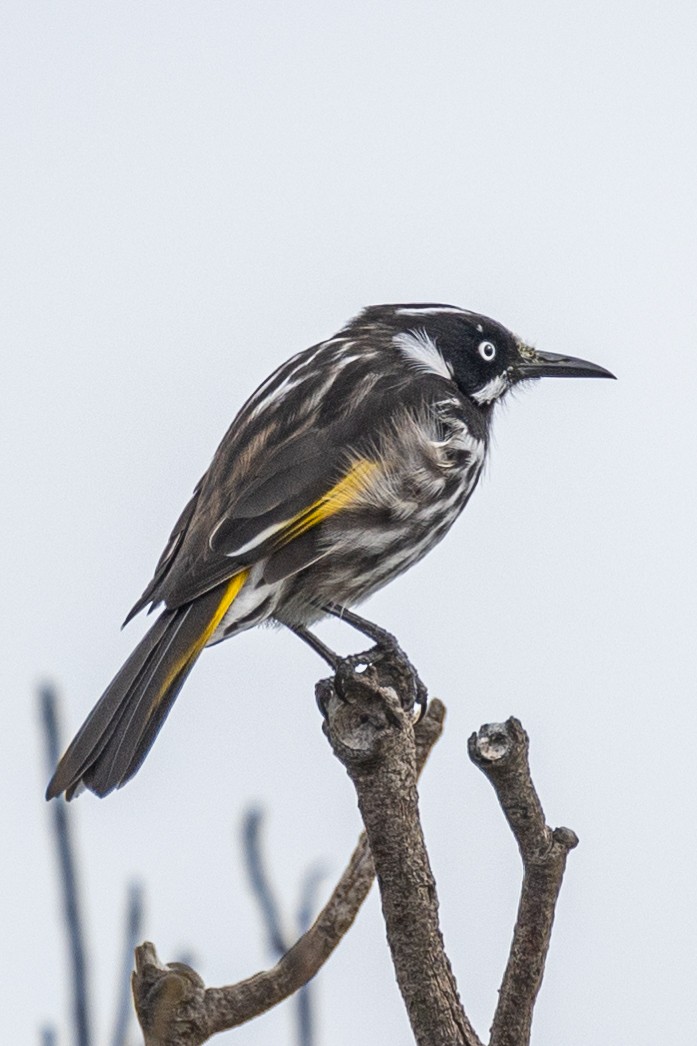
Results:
194 191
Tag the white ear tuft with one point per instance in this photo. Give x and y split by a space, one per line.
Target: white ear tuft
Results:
422 350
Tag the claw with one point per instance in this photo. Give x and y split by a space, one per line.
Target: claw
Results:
421 698
386 648
324 691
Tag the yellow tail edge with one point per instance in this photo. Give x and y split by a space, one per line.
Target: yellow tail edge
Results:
231 591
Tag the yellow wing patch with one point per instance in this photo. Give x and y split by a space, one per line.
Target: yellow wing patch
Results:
231 591
341 495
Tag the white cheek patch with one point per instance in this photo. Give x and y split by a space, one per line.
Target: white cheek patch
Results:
492 390
417 347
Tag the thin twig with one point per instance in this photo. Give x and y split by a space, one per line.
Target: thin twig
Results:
259 881
133 931
174 1007
308 895
279 944
305 1009
68 875
500 750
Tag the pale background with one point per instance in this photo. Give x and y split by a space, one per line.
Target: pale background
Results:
190 193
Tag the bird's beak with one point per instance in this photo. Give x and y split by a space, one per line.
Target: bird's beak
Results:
536 364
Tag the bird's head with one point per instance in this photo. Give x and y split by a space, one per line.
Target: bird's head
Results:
483 358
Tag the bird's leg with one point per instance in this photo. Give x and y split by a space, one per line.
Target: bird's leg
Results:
385 644
380 636
325 652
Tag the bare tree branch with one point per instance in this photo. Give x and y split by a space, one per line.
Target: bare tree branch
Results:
500 750
174 1007
308 894
305 1018
372 736
259 881
307 905
132 933
68 874
279 944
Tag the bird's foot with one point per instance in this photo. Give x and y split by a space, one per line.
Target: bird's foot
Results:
384 665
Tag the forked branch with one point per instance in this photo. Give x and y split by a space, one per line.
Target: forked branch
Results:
174 1007
369 723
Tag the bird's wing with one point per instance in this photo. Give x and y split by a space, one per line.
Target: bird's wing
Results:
168 554
291 459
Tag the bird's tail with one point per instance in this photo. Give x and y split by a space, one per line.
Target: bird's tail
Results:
119 731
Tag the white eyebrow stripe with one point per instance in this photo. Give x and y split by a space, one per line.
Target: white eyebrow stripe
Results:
433 310
423 351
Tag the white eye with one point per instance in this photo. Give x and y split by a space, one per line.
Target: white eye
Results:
487 350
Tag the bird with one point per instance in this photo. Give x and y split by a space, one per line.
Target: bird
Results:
343 469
